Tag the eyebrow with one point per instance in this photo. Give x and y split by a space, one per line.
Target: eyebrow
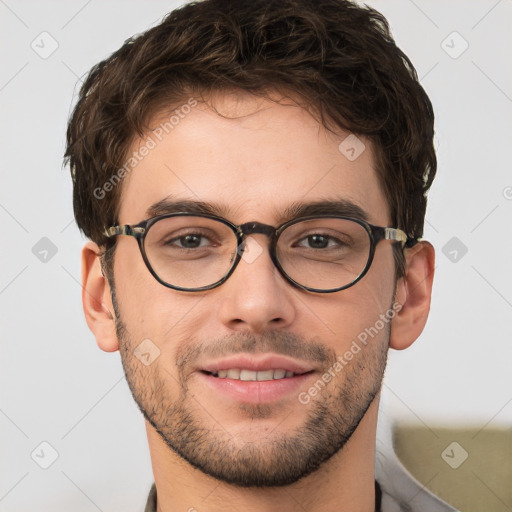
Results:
336 206
175 205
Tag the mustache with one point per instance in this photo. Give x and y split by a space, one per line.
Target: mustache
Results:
278 342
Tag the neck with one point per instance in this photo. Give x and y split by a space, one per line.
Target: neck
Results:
343 483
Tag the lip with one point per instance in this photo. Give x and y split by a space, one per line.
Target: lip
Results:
257 363
255 392
264 391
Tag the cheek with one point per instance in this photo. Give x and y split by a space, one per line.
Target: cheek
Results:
150 310
339 321
347 314
141 299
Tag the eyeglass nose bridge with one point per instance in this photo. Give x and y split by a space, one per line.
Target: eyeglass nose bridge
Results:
252 228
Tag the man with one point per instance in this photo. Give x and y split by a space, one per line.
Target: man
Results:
252 176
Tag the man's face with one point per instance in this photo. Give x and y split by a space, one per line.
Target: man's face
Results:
254 164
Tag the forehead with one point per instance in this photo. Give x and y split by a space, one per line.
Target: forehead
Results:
251 157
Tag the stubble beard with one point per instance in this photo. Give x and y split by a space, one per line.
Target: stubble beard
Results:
275 460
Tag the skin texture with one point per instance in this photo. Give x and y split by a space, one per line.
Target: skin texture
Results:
207 449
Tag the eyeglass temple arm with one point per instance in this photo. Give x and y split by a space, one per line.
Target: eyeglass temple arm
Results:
399 236
124 230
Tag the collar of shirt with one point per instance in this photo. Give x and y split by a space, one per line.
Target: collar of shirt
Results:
151 503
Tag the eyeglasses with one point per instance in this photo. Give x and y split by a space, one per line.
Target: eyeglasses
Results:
195 252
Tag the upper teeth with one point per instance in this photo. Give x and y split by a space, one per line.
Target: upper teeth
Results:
236 373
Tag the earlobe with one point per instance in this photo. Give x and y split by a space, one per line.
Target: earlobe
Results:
96 299
413 293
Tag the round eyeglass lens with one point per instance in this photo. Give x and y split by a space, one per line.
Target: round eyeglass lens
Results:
324 253
189 251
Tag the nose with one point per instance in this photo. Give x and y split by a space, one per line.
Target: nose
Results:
256 297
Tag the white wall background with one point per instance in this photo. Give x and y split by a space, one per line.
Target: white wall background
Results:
58 387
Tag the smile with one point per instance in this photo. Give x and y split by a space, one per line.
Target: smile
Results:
251 375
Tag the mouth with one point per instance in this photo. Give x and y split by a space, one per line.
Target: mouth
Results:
253 375
250 378
256 367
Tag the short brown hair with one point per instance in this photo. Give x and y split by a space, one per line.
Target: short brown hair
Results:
340 58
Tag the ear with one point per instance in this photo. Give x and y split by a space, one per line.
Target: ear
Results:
97 301
413 292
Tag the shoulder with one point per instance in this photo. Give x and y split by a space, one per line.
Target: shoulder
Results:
151 503
401 492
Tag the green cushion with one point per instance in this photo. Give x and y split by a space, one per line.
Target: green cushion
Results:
469 468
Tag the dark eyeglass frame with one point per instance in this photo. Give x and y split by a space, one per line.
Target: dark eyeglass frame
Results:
375 233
